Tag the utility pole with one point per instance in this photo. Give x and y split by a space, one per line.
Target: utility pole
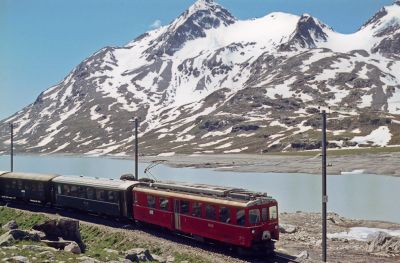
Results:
12 147
324 195
136 149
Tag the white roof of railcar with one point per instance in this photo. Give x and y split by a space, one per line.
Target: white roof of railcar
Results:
112 184
28 176
206 193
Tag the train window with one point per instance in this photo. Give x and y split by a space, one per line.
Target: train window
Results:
40 187
196 209
164 203
225 214
81 192
66 189
14 184
151 201
74 190
90 193
33 187
211 212
184 207
264 214
113 197
20 185
273 213
240 217
7 185
100 195
254 216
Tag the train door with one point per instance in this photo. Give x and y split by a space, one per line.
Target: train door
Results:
177 216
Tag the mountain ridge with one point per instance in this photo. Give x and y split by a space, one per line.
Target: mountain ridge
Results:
208 82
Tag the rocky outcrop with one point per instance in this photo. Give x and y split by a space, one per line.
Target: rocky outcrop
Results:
17 235
385 243
287 229
10 225
61 233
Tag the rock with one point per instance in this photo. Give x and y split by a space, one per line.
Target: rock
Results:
47 254
10 225
111 251
17 234
170 259
138 254
73 247
287 229
159 259
6 240
37 248
18 259
302 255
67 229
383 242
87 260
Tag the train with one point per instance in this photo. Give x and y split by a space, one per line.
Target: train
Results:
236 217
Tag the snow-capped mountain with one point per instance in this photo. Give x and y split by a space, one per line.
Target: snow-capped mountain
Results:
208 82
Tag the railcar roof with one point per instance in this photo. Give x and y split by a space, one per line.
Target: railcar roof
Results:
206 193
28 176
111 184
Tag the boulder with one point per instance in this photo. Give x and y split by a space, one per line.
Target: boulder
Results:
63 228
383 242
287 229
303 255
170 259
37 248
73 247
138 255
17 234
10 225
48 255
17 259
6 240
159 259
85 259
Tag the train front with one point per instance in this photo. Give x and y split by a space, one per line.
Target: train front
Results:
264 224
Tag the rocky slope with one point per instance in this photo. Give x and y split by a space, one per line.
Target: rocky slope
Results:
210 83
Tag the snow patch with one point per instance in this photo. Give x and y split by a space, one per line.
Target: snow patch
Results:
379 137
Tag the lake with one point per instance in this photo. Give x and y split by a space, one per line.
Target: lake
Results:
358 196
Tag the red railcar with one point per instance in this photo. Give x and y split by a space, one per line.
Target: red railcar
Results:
232 216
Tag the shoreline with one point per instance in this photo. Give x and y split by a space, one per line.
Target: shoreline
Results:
383 164
377 164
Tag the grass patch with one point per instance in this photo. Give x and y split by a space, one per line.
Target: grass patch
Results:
96 239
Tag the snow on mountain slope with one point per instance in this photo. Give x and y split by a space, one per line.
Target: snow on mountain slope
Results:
208 82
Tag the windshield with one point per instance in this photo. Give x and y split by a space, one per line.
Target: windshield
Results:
273 213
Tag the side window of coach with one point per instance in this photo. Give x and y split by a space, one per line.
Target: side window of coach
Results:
164 203
151 201
224 214
254 216
240 217
211 212
196 209
184 207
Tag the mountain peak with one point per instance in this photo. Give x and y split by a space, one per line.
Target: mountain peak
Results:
308 32
192 24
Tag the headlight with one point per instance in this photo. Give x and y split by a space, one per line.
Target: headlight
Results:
253 231
266 235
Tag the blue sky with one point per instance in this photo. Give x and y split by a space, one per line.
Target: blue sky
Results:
41 41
